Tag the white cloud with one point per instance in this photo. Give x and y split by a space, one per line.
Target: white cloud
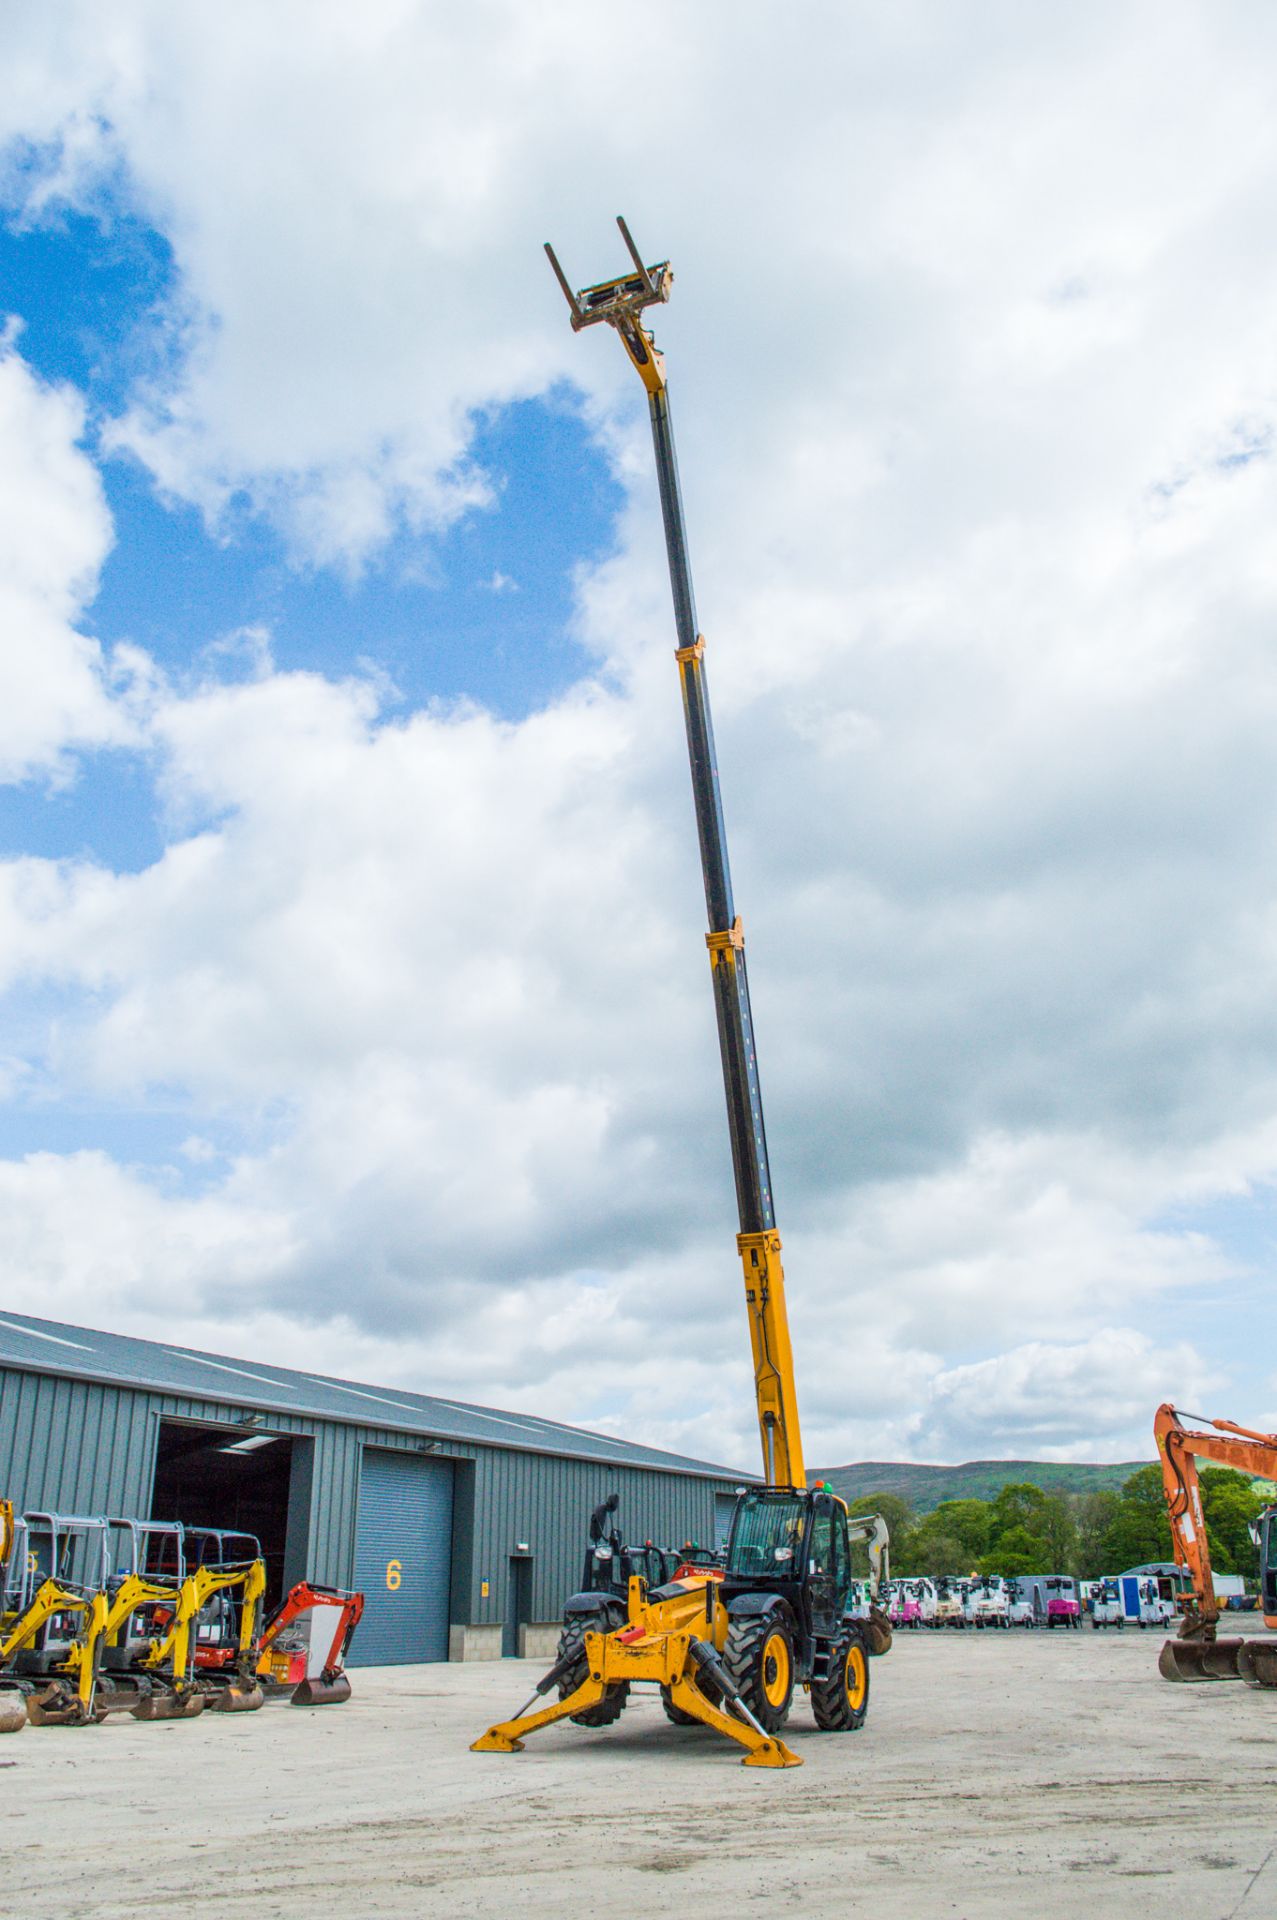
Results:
55 533
1045 1398
981 496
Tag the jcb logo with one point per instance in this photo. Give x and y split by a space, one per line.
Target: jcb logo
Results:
394 1575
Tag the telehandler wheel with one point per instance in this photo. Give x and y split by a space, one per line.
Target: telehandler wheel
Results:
572 1641
759 1656
840 1702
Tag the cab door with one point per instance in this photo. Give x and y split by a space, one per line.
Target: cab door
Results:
825 1568
1268 1562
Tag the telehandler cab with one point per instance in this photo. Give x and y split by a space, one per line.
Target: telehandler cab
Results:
727 1651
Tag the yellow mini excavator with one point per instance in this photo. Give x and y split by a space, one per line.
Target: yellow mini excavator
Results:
162 1613
79 1642
13 1702
54 1606
727 1650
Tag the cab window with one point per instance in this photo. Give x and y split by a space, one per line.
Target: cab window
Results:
822 1543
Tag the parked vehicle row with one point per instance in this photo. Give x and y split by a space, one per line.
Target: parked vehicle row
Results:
1028 1600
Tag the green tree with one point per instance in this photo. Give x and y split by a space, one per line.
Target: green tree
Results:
1230 1505
1043 1515
966 1521
1139 1530
933 1551
899 1516
1093 1515
1017 1551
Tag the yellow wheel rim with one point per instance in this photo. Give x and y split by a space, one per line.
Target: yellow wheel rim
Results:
856 1678
776 1669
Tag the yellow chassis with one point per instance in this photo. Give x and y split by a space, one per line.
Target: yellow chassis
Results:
657 1644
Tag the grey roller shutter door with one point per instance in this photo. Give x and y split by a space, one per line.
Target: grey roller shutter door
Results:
403 1559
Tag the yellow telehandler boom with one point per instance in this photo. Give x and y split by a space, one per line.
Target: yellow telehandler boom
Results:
620 304
726 1650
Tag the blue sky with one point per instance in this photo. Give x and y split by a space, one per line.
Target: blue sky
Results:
331 1025
482 612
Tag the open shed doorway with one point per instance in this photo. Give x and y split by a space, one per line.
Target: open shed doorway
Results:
233 1478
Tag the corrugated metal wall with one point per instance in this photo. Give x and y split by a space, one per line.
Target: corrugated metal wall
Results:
80 1446
74 1446
546 1502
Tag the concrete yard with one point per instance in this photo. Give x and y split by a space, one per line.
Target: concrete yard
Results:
1002 1774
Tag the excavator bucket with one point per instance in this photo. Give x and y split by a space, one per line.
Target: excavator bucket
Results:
237 1698
13 1711
1257 1662
321 1693
54 1710
1199 1659
878 1631
168 1706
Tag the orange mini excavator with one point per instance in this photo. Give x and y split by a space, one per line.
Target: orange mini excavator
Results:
313 1675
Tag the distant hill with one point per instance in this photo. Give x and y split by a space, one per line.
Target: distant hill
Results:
925 1487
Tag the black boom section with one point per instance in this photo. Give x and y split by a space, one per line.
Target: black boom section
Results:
727 949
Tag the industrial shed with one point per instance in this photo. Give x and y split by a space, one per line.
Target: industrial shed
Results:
464 1527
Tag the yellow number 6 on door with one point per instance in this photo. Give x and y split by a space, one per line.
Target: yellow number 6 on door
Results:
394 1574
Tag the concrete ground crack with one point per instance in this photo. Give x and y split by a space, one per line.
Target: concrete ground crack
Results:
1253 1882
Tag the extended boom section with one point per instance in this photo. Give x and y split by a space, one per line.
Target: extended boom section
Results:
620 304
731 1638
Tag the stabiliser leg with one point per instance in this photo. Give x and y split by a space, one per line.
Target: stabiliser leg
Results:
761 1749
506 1736
675 1660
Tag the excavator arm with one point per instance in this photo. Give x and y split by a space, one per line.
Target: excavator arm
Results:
1198 1653
620 304
872 1529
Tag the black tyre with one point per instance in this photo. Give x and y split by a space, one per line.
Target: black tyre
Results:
759 1656
841 1700
677 1715
572 1641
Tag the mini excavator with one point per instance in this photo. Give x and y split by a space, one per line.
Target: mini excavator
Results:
726 1651
1197 1652
309 1667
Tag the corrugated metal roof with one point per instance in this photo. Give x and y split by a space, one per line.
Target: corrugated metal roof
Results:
47 1346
